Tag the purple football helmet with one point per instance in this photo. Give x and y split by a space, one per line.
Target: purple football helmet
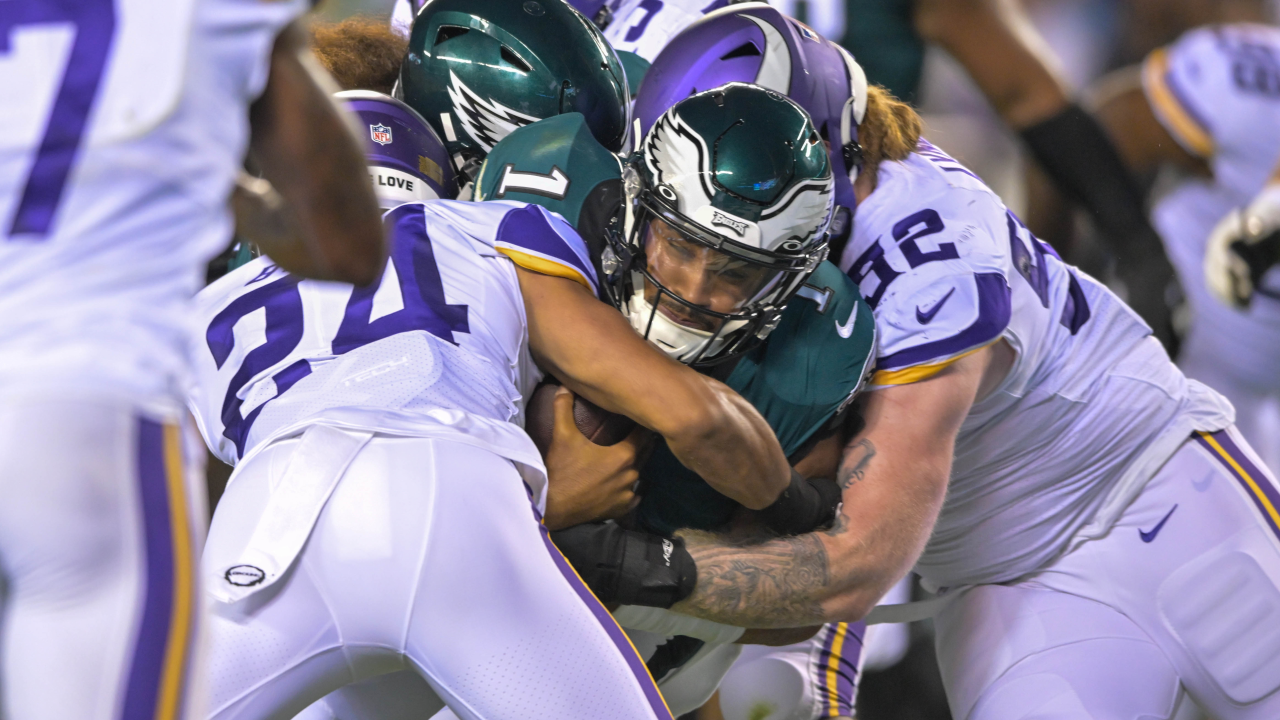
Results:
754 43
407 160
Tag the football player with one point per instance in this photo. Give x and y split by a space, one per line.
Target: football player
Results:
478 69
384 512
124 125
1205 106
756 43
812 357
1001 53
799 368
1033 453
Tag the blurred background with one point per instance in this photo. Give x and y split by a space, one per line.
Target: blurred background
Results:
1082 40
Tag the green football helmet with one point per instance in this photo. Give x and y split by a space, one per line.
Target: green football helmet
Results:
727 207
478 69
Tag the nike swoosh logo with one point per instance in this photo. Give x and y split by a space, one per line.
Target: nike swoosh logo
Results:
927 317
1149 536
1202 486
846 329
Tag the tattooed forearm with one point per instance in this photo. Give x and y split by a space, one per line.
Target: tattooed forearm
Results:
857 458
776 583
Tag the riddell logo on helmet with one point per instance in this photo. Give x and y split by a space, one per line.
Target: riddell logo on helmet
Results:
738 226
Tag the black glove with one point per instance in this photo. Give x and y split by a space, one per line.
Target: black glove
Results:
806 505
628 567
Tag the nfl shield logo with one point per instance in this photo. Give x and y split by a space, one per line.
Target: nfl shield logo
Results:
381 134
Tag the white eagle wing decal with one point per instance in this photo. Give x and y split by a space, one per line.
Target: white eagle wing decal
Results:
678 157
486 121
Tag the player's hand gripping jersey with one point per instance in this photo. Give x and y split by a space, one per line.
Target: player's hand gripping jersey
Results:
1090 408
437 348
120 137
1217 91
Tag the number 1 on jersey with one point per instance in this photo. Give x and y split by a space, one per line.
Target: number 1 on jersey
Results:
94 24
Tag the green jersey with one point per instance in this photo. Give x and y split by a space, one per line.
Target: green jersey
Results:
800 379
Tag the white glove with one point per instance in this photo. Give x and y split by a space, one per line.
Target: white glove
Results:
1242 247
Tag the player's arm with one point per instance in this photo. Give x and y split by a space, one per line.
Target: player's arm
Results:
1144 144
894 474
996 44
592 349
316 214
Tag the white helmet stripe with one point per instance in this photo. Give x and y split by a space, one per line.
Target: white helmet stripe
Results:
855 109
775 64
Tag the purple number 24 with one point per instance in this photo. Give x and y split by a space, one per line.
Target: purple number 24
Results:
95 23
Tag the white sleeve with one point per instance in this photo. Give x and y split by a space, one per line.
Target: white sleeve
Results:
939 292
644 27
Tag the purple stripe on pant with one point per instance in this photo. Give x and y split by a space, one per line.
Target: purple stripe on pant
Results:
1261 478
846 668
610 626
143 689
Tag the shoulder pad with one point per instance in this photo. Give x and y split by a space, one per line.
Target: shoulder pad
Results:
555 163
814 362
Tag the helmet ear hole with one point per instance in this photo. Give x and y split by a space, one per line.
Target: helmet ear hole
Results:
449 32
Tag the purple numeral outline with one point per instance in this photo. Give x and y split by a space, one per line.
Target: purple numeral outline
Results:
421 291
95 24
650 8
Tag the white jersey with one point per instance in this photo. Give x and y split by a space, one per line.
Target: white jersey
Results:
440 342
1217 91
121 132
1090 408
644 27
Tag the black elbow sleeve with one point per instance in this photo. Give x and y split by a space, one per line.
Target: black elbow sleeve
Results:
1076 152
806 505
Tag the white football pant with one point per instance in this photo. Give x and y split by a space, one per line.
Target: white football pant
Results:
100 613
428 556
1183 595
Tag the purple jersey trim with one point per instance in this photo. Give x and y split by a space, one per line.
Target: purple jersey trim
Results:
994 310
530 228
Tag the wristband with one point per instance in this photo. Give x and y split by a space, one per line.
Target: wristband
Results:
628 567
806 505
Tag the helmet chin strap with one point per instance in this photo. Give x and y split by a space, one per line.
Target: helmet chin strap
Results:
680 343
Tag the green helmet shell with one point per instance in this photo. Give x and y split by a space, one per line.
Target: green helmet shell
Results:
478 69
742 171
744 163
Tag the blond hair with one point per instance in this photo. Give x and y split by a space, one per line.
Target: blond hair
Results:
889 131
362 52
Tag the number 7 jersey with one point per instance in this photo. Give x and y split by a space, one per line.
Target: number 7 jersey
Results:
122 128
1090 409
